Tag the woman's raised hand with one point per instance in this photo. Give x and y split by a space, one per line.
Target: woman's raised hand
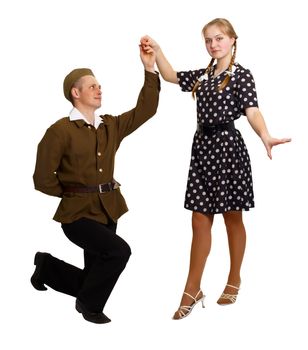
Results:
148 44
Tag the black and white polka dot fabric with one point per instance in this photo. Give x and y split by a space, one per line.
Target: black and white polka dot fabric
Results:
220 178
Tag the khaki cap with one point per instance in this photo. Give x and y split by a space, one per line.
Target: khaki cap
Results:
71 78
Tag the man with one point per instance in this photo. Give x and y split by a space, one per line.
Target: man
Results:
75 161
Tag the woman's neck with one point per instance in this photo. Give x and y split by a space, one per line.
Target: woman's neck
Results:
222 64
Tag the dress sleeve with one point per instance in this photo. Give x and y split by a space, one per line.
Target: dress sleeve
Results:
246 90
187 79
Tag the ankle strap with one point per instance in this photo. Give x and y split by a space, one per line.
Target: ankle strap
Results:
194 298
230 285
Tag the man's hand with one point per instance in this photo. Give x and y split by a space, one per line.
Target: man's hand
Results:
148 57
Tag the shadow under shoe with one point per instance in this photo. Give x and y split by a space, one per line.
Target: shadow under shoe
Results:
36 279
95 317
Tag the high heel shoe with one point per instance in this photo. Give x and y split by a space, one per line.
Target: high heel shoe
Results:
185 310
230 297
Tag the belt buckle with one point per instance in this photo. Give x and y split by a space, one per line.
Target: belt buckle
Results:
111 186
100 188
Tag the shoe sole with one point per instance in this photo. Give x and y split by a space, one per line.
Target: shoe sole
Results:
78 308
192 307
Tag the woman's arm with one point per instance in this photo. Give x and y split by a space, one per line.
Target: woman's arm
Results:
257 122
167 72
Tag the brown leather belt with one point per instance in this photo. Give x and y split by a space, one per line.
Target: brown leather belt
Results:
100 188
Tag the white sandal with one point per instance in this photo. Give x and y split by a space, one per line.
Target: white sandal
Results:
185 310
231 297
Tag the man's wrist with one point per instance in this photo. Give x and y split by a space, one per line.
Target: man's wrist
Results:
150 69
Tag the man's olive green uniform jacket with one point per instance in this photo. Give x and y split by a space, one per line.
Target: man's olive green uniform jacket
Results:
75 153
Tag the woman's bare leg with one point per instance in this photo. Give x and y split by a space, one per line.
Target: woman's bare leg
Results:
237 243
200 249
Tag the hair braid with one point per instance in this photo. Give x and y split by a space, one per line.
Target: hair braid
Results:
228 76
198 82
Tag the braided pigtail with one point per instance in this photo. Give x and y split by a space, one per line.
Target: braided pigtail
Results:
197 84
229 71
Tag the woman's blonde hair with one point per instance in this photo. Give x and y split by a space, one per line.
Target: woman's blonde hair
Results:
227 29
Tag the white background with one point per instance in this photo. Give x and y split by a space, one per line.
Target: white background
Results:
41 41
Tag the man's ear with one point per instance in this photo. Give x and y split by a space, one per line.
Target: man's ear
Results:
75 93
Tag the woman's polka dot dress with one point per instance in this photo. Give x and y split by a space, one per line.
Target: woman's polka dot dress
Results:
219 178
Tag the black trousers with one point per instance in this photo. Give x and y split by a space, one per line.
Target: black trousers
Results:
105 257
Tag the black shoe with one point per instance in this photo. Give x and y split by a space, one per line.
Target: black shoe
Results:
91 316
35 279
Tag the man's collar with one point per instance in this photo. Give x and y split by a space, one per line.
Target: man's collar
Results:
75 115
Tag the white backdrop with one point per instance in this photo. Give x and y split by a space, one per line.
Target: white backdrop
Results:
41 41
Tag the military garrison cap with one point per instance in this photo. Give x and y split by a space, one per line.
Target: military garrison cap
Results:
71 78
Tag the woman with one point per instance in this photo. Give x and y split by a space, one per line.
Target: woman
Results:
219 180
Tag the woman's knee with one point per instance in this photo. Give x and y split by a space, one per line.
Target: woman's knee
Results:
233 219
201 221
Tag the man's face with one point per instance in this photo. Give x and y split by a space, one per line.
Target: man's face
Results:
88 92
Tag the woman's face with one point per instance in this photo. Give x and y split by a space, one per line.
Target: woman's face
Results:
218 44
